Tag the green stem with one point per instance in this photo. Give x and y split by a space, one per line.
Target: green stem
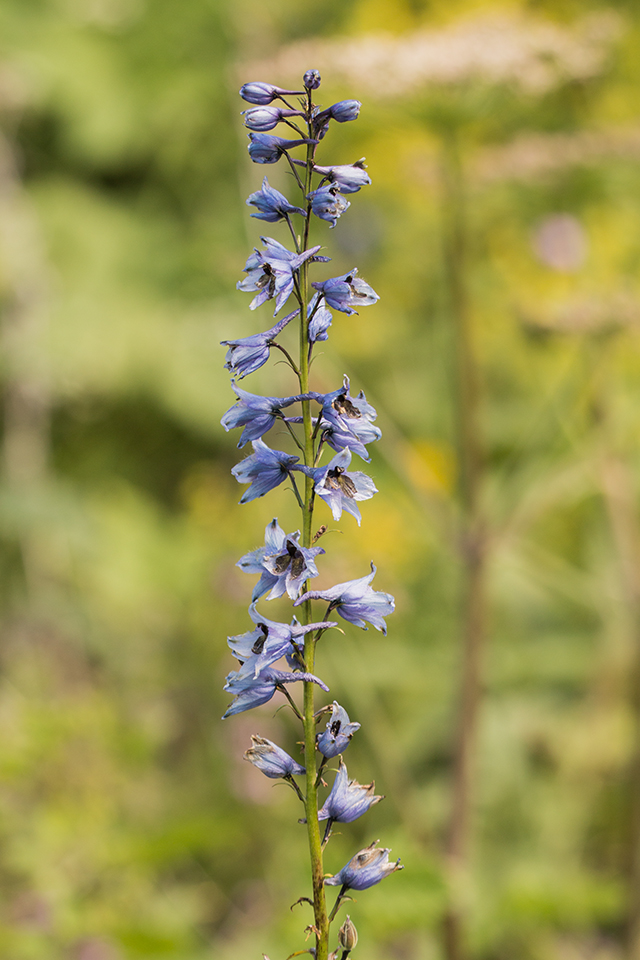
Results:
321 921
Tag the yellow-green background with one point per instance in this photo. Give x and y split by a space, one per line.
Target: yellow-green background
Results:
129 825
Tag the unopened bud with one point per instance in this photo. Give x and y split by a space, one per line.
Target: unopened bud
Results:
312 79
348 935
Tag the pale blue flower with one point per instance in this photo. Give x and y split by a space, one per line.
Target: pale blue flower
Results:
261 119
341 488
258 649
264 470
250 691
338 733
368 867
255 413
271 759
328 204
267 148
349 177
312 79
356 602
262 93
271 204
348 799
271 273
248 354
283 564
345 292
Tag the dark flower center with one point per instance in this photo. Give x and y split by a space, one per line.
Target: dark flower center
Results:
260 642
338 480
335 728
292 557
345 408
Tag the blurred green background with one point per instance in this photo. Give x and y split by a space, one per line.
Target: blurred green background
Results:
129 825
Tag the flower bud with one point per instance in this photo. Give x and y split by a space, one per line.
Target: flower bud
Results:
312 79
348 935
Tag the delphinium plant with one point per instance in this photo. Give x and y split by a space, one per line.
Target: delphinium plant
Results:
325 430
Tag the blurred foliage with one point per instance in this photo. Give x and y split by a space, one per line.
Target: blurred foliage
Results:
129 826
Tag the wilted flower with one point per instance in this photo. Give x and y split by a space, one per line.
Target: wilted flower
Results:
339 488
338 733
271 204
348 799
262 93
267 148
342 293
250 691
282 563
348 177
266 118
248 354
255 413
265 469
327 203
348 935
356 602
271 759
367 868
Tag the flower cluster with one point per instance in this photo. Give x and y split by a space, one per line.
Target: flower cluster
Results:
273 655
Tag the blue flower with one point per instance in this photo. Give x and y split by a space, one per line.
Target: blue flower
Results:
267 148
263 93
342 112
327 203
338 733
271 273
255 413
282 563
250 691
348 799
271 204
368 867
264 470
266 118
343 292
348 421
271 759
260 648
356 602
339 488
349 177
248 354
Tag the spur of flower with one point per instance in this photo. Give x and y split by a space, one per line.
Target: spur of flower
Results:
356 601
339 487
368 867
283 564
338 733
